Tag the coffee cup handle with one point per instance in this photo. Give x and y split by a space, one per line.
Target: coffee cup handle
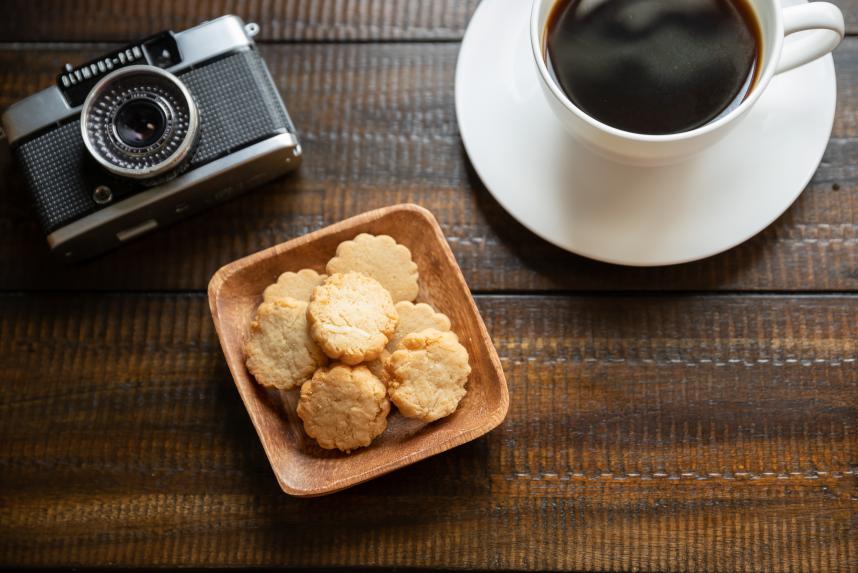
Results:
826 22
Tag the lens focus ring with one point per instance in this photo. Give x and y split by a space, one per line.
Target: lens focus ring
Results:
140 122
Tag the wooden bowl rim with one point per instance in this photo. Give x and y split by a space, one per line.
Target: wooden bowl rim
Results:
486 422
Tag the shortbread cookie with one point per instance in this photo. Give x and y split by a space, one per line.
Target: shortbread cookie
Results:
427 374
298 285
351 317
383 259
278 348
412 318
343 407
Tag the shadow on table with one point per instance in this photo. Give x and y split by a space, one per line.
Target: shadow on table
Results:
432 495
177 257
559 269
460 472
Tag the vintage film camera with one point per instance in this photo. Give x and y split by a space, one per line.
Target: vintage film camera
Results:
149 134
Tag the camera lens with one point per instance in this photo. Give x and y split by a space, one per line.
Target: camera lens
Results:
140 122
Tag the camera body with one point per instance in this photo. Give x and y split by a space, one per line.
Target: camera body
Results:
149 134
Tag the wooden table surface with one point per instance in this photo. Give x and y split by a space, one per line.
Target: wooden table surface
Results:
701 417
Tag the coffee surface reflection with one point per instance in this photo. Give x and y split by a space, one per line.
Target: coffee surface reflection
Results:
654 66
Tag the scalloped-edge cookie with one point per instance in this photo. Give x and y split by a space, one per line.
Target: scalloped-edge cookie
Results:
343 407
412 318
427 374
351 317
278 349
298 286
381 258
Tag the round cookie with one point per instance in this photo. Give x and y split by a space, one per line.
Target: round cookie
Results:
298 285
278 349
351 317
427 374
412 318
343 407
383 259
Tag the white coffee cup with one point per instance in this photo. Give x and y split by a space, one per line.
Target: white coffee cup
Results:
824 19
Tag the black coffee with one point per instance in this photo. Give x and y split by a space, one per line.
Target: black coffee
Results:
654 66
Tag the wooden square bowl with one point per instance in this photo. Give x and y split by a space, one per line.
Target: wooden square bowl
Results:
301 466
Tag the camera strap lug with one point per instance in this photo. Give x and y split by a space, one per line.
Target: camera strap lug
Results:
251 29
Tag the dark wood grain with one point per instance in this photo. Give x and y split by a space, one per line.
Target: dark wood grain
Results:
290 20
647 432
378 124
661 433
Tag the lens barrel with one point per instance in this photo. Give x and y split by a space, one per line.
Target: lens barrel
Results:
140 122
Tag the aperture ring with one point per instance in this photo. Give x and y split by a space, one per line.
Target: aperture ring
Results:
173 146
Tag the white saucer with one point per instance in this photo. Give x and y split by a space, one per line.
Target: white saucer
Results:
617 213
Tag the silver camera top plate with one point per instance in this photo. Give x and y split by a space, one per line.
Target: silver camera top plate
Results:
196 45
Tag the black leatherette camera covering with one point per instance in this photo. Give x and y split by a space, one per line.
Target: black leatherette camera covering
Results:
238 105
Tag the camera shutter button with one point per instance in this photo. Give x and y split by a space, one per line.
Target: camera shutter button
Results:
102 195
